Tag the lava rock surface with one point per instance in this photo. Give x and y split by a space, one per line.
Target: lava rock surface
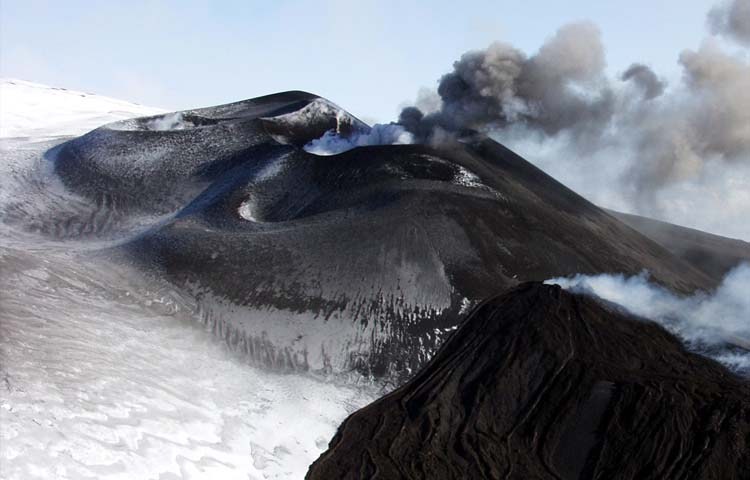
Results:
544 384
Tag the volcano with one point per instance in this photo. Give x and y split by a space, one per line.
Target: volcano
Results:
336 278
364 260
541 383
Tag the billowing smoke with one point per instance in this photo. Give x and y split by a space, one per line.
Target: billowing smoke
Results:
561 88
705 122
332 143
731 19
717 324
630 142
646 79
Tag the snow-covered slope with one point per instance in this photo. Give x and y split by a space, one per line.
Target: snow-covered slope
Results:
34 110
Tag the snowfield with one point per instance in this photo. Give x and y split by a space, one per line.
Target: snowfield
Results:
33 110
107 374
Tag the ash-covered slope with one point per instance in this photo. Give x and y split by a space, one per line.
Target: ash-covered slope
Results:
365 259
712 254
541 383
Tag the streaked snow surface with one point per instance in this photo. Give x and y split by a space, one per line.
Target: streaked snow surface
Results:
107 374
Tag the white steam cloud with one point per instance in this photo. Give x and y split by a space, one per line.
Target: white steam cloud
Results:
170 121
332 142
717 324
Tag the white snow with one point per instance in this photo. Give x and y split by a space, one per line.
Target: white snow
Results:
248 207
34 110
247 210
467 178
466 306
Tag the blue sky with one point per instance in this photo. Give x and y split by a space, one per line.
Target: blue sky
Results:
368 56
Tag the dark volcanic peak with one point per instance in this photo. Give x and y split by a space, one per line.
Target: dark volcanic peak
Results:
541 383
157 164
364 259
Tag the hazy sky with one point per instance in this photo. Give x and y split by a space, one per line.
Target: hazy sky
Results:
367 56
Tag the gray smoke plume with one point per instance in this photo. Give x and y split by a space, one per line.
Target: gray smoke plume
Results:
732 19
647 137
562 87
646 79
703 123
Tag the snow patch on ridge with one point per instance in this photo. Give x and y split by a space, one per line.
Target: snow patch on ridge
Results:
319 110
247 210
248 207
467 178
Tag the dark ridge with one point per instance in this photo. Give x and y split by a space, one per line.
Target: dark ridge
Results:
264 106
712 254
540 383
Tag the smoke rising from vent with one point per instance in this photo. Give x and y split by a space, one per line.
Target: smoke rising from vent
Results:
170 121
561 88
332 143
643 138
708 323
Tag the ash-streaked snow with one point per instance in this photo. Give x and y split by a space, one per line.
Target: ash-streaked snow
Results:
105 373
319 110
105 377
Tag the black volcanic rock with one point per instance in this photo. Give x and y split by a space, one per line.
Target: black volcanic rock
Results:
712 254
540 383
363 260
